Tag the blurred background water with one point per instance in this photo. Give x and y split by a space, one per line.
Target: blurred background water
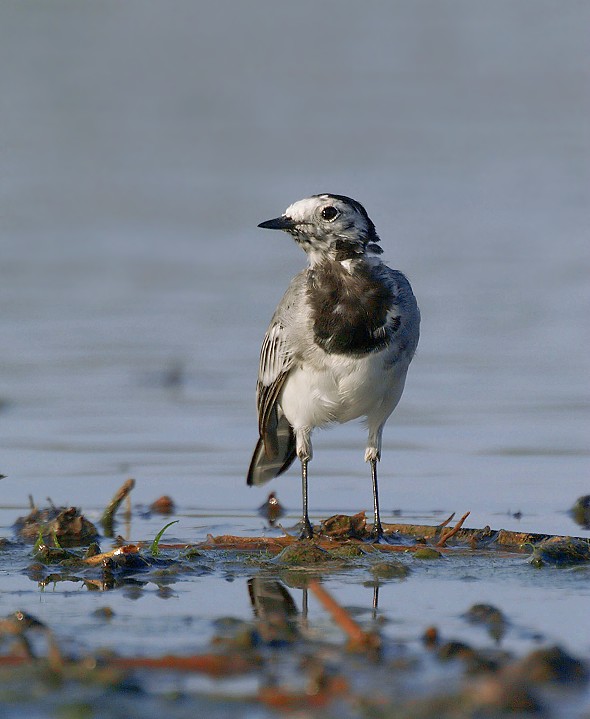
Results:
142 142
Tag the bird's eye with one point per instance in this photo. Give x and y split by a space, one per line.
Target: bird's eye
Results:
330 213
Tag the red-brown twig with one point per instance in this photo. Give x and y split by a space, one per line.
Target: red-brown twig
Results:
358 638
451 533
216 665
447 520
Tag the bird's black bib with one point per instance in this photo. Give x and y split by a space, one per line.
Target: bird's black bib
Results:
349 309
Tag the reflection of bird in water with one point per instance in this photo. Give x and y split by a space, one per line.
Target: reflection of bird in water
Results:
272 509
274 609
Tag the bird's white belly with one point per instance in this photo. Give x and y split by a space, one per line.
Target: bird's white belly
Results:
342 389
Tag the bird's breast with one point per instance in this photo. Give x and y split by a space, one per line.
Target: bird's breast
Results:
350 310
336 388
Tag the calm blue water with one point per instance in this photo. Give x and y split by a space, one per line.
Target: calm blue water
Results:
141 143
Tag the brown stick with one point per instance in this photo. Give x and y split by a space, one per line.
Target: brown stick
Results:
356 634
109 513
97 559
447 520
451 533
217 665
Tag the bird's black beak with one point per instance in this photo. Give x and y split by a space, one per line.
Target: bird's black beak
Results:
284 222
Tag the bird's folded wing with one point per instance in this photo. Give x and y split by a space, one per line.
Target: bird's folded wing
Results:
276 360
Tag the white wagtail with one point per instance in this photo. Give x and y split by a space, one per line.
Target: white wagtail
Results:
339 344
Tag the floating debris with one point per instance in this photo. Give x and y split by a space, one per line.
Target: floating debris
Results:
560 551
305 554
581 511
108 517
321 688
54 555
552 664
390 569
163 505
66 524
488 616
92 550
455 650
430 638
427 553
497 695
351 550
343 526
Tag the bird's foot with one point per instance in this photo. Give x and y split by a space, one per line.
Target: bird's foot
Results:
306 530
377 535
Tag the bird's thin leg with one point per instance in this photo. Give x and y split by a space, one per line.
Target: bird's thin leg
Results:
377 533
307 529
373 455
305 453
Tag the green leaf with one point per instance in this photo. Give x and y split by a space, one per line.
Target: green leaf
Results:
39 543
56 540
154 547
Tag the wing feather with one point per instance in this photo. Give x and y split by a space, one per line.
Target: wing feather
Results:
276 448
275 362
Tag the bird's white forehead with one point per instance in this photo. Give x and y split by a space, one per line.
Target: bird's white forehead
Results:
304 209
306 213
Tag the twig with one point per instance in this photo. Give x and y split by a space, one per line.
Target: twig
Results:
451 533
216 665
109 513
358 638
499 539
97 559
54 655
447 520
228 541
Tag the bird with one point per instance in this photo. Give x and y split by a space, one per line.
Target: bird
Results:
272 509
338 346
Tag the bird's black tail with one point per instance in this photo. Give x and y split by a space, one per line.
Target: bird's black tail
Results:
274 459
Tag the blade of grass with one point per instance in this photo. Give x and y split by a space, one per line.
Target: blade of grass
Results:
154 546
55 539
39 543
